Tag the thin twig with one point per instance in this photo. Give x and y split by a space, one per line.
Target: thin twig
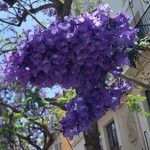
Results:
31 15
6 51
69 143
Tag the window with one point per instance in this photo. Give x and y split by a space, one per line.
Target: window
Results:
147 93
143 24
100 141
112 136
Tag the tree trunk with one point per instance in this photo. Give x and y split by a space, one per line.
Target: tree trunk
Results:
92 138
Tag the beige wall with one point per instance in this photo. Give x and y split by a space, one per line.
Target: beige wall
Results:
65 143
140 124
78 142
62 143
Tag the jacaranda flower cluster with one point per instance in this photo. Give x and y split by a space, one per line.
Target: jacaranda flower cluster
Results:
78 52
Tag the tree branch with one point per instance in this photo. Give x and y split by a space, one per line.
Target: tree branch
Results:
30 13
10 2
63 9
66 11
6 51
58 5
29 141
55 103
47 133
10 23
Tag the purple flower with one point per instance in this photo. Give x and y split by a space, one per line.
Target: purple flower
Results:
79 52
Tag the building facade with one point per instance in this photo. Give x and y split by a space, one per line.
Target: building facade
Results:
123 130
61 143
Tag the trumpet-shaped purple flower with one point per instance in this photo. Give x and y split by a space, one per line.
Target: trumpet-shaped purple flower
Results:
78 52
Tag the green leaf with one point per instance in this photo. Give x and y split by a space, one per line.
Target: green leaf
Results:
134 104
69 95
59 112
146 114
18 115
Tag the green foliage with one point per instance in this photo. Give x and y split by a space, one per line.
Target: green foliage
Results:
134 104
59 113
68 95
78 8
32 99
81 6
18 115
144 43
26 115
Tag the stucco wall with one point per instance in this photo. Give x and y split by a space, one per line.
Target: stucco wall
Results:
80 145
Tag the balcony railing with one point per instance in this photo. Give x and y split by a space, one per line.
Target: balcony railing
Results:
144 24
